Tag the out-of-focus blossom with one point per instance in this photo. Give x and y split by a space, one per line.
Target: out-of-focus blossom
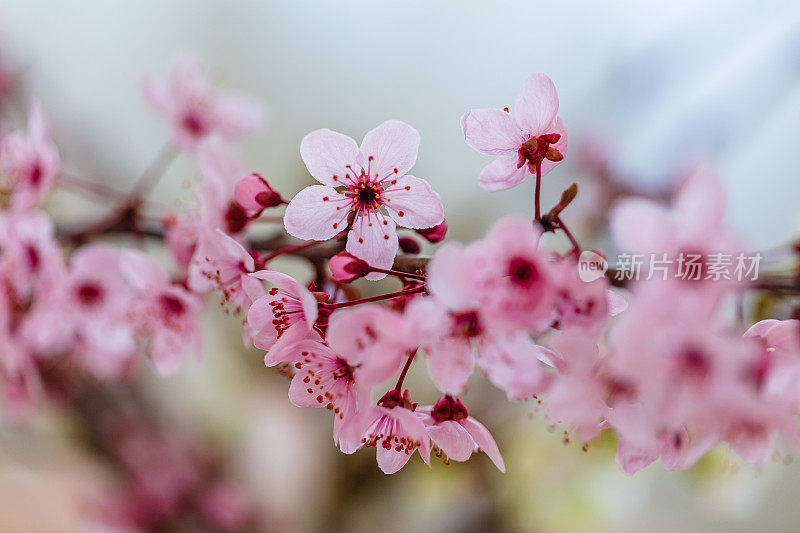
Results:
534 136
164 315
223 264
358 182
29 163
187 100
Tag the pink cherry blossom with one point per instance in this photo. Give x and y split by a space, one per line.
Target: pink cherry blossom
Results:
29 253
504 277
29 162
358 182
163 314
186 99
221 263
687 233
282 317
221 165
395 433
457 434
533 136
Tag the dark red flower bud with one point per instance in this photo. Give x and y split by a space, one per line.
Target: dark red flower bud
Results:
434 234
409 245
346 267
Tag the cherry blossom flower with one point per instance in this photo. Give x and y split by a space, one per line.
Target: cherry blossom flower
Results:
534 136
355 184
187 101
29 254
282 317
395 432
221 263
457 434
29 163
688 234
504 277
221 165
163 314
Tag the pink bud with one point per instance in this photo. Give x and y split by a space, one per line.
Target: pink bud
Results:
409 245
434 234
254 194
346 268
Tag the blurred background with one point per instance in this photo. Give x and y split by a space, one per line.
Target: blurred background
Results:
646 89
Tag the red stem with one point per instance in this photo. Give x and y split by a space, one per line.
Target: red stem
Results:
378 298
537 191
405 371
399 273
576 248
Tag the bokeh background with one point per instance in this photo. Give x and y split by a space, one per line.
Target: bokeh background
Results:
647 89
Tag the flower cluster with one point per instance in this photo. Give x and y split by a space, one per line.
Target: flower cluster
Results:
654 362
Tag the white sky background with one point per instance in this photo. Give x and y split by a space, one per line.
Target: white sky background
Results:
666 82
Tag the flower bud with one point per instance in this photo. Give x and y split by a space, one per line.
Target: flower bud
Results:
254 194
434 234
346 267
409 245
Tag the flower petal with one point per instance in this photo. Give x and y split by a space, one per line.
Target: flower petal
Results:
484 440
450 364
502 173
317 212
537 104
412 203
327 154
237 114
393 146
452 439
373 239
491 131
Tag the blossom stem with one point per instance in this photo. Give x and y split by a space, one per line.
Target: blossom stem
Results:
398 273
537 192
405 292
576 248
84 186
151 176
405 371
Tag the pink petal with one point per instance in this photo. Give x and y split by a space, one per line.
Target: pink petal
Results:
632 459
512 364
247 189
141 271
157 94
502 173
391 461
700 202
373 239
447 280
491 131
285 348
452 439
237 114
317 212
222 165
450 364
485 442
393 146
327 154
189 80
639 225
537 105
412 203
294 288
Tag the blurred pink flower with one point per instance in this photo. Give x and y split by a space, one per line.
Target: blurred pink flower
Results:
163 314
187 100
533 136
254 194
369 177
29 162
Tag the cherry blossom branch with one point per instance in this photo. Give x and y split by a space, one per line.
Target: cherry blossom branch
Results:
402 377
405 292
153 173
